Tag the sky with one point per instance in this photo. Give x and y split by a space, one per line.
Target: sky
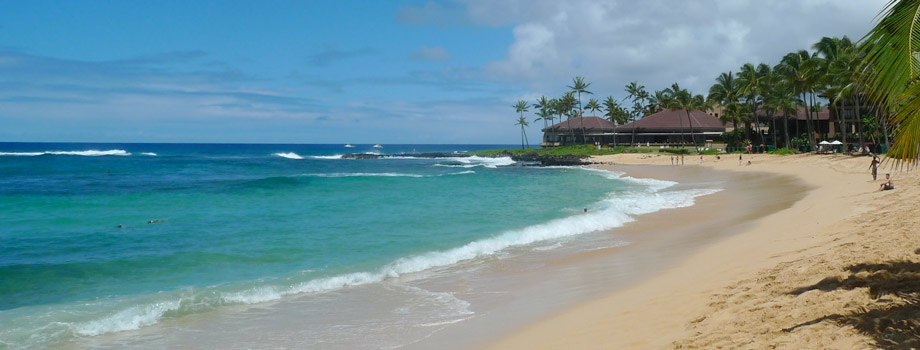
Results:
348 71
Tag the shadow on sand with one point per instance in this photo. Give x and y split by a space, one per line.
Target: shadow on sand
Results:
893 319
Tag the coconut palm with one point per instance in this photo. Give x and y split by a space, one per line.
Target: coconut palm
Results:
749 86
686 101
840 61
523 123
659 100
542 111
784 99
726 92
593 105
802 70
521 107
890 72
634 91
566 106
579 86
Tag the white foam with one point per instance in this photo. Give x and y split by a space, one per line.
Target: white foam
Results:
459 173
474 161
337 156
288 155
89 153
128 319
652 185
365 175
612 212
149 154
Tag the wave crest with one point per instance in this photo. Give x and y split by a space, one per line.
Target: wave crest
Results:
89 153
288 155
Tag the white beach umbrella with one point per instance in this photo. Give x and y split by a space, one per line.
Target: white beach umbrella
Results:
836 142
824 143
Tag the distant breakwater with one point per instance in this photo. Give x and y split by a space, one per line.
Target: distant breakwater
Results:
531 158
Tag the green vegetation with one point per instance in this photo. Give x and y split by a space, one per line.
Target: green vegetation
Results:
782 151
874 83
675 150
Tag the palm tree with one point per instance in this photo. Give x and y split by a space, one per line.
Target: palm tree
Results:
726 92
686 101
801 69
890 73
579 86
542 112
634 91
566 105
784 99
613 112
523 122
768 83
840 63
593 105
749 86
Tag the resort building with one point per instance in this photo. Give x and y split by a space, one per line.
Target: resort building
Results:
576 130
672 127
663 128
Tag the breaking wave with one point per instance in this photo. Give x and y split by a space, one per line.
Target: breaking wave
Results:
89 153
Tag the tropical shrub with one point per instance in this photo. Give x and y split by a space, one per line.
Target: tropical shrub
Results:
675 150
782 151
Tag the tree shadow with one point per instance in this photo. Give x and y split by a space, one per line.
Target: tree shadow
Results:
894 322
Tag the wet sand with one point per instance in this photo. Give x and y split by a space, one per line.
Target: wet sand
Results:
657 242
837 269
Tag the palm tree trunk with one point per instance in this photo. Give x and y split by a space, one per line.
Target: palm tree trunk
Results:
773 128
786 128
843 124
633 140
809 128
522 136
859 123
885 128
681 120
525 136
691 130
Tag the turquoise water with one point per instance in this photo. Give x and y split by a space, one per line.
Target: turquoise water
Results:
103 238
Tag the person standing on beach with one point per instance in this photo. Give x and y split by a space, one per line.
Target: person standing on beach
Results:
672 160
739 159
681 159
874 167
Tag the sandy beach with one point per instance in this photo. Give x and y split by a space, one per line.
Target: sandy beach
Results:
838 269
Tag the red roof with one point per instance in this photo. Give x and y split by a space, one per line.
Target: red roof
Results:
593 124
824 114
675 120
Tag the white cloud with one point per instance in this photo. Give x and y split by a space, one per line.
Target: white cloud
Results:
657 42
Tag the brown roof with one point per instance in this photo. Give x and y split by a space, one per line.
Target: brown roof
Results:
824 114
592 124
668 120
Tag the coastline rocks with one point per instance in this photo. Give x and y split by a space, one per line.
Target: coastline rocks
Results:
547 160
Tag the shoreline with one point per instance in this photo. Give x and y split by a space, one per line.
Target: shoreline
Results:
679 307
657 241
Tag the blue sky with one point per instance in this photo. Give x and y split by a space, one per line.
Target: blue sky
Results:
365 71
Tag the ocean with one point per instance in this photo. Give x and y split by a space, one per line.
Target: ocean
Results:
101 240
